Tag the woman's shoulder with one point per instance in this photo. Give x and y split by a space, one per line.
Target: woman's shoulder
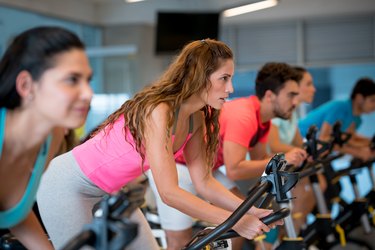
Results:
162 107
161 111
159 116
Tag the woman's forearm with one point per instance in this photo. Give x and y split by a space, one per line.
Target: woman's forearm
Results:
195 206
216 193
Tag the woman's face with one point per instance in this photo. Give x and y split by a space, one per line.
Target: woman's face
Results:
63 92
306 88
221 85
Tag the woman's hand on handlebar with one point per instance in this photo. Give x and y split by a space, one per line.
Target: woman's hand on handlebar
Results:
261 213
250 227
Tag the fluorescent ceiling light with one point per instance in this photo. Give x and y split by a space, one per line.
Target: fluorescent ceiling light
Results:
249 8
133 1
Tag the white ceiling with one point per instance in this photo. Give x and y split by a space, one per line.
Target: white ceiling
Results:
110 12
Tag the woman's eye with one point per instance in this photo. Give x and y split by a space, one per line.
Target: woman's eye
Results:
72 79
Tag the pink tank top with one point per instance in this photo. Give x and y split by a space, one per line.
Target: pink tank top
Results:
110 161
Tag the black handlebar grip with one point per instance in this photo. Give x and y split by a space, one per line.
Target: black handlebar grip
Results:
280 214
269 219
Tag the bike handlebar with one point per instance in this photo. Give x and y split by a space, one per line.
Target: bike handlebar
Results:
198 243
269 219
275 182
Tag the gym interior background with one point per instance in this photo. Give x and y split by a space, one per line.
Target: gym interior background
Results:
334 39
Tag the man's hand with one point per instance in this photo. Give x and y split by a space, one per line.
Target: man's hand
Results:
365 153
296 156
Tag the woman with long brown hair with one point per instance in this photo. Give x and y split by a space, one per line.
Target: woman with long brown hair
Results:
177 114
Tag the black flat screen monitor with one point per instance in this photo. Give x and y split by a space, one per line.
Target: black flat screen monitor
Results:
175 29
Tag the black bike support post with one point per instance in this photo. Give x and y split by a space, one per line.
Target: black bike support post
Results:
282 198
277 164
94 234
321 226
324 226
283 182
288 222
86 237
261 188
371 194
110 228
359 205
292 241
322 230
362 202
315 148
371 174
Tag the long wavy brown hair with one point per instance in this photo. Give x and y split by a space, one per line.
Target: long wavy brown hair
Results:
188 74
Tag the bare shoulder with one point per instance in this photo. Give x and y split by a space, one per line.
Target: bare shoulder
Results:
160 115
161 108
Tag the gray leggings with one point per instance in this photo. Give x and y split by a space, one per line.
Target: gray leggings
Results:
65 199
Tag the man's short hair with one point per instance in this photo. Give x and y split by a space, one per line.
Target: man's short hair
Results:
364 86
273 76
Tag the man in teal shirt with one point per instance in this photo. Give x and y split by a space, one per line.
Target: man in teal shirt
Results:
348 112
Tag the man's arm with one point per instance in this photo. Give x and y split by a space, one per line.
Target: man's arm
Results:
294 154
360 140
358 151
357 140
325 132
237 167
297 140
275 143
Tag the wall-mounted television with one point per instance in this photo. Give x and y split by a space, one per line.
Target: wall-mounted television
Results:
175 29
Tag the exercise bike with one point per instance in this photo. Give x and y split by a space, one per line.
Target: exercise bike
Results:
326 232
110 228
274 182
